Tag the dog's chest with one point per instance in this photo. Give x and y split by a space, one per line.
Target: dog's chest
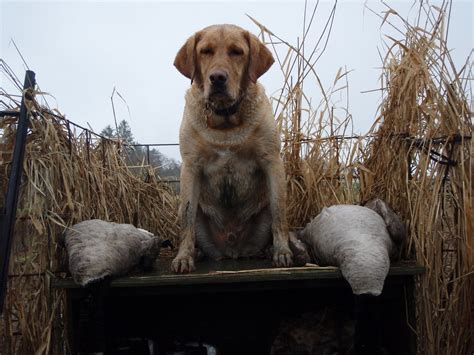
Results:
231 178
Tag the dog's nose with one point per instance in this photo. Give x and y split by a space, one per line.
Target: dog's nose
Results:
219 77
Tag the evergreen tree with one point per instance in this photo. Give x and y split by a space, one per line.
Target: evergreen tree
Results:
156 159
136 156
108 132
124 132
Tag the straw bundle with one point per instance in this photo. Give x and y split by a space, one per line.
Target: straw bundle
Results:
418 157
319 154
318 158
69 175
421 163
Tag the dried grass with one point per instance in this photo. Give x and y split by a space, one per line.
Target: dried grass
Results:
421 163
69 175
418 156
319 158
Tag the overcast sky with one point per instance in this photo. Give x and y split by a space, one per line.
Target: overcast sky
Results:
81 50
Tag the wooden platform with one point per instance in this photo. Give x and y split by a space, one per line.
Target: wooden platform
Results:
238 306
232 272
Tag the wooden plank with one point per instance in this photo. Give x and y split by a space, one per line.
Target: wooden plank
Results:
232 272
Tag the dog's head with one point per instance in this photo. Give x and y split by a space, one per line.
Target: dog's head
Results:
222 60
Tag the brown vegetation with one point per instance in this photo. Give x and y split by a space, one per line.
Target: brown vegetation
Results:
69 175
417 157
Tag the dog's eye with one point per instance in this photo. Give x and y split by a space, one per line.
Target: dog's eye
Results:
236 52
207 51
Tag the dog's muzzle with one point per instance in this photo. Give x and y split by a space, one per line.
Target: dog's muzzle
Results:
218 80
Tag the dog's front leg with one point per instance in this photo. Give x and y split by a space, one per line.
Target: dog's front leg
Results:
184 261
282 255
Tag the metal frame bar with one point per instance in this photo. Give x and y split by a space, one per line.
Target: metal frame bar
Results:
8 214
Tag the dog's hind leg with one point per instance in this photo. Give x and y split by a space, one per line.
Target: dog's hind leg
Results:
205 243
258 235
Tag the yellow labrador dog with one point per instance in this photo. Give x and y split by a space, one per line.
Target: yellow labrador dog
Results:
233 191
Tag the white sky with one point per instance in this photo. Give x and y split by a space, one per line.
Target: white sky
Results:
81 50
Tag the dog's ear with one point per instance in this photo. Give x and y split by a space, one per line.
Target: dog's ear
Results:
260 58
185 60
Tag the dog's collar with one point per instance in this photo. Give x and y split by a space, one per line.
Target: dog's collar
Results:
228 111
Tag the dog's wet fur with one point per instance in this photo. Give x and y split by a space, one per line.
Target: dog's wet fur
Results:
233 190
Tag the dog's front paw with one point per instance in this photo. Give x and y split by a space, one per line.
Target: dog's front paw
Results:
282 257
183 264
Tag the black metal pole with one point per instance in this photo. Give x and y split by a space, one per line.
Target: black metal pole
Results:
8 215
